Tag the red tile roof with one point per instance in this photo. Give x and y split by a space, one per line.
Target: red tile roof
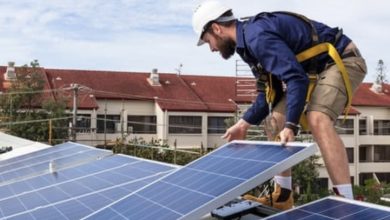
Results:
364 96
176 93
46 96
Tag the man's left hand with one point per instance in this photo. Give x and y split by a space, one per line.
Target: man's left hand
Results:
286 135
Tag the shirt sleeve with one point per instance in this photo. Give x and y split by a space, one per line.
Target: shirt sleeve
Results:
258 111
266 45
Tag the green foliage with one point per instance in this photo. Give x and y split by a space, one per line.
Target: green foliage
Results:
157 150
308 196
305 175
372 191
25 110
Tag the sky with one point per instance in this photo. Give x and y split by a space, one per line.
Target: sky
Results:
139 35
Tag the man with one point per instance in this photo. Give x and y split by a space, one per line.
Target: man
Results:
281 49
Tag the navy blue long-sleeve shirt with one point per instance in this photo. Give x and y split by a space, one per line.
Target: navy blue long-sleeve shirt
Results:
273 40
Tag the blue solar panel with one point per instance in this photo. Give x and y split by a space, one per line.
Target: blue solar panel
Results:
78 191
65 155
32 155
209 182
336 208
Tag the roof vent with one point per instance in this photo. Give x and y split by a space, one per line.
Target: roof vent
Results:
376 87
193 83
10 74
154 78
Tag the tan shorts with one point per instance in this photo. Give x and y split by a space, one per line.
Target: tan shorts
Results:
329 95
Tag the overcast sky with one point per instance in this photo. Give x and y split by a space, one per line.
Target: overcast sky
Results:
138 35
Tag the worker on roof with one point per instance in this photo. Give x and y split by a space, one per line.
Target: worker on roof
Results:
301 66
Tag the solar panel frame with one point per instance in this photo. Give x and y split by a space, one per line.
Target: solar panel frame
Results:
307 150
306 211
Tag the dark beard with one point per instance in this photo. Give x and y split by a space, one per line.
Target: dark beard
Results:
226 47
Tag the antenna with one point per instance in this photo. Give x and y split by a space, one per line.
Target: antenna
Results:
178 70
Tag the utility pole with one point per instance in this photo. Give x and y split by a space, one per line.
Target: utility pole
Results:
105 124
75 88
50 132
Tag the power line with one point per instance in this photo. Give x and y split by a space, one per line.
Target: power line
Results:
33 121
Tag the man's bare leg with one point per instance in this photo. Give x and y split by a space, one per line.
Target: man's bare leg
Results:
332 149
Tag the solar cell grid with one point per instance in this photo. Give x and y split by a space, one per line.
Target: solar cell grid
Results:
72 155
93 186
336 208
31 156
209 182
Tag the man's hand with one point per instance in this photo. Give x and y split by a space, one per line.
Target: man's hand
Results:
286 135
237 131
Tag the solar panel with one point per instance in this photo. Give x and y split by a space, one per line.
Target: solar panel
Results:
209 182
336 208
65 155
78 191
26 157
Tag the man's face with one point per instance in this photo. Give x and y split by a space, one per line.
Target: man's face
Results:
223 44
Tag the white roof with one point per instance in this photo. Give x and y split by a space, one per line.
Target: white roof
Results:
19 146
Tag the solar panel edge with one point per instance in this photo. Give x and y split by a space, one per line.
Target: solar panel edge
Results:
309 150
333 198
153 161
366 204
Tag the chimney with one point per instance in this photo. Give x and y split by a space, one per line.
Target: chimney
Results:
154 79
10 74
377 88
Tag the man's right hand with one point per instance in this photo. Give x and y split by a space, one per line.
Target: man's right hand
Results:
237 131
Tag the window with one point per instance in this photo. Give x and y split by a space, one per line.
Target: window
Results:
363 153
350 154
363 126
110 122
83 122
185 124
216 125
344 127
381 127
381 153
383 177
141 124
322 183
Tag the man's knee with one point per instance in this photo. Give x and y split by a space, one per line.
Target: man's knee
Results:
318 119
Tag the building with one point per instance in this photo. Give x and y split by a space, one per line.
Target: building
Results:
190 111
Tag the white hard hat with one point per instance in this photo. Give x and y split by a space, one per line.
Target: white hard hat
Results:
208 11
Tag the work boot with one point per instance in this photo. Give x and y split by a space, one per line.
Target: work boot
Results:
281 198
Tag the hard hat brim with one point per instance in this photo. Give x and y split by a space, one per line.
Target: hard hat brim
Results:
200 42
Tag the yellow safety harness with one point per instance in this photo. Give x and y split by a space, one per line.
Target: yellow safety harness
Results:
332 52
315 50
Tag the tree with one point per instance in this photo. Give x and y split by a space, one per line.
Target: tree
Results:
305 176
27 111
381 73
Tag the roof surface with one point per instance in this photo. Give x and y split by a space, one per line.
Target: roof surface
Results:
175 92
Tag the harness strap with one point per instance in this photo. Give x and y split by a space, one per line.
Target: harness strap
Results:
332 52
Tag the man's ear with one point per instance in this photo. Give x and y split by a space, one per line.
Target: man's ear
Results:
216 28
